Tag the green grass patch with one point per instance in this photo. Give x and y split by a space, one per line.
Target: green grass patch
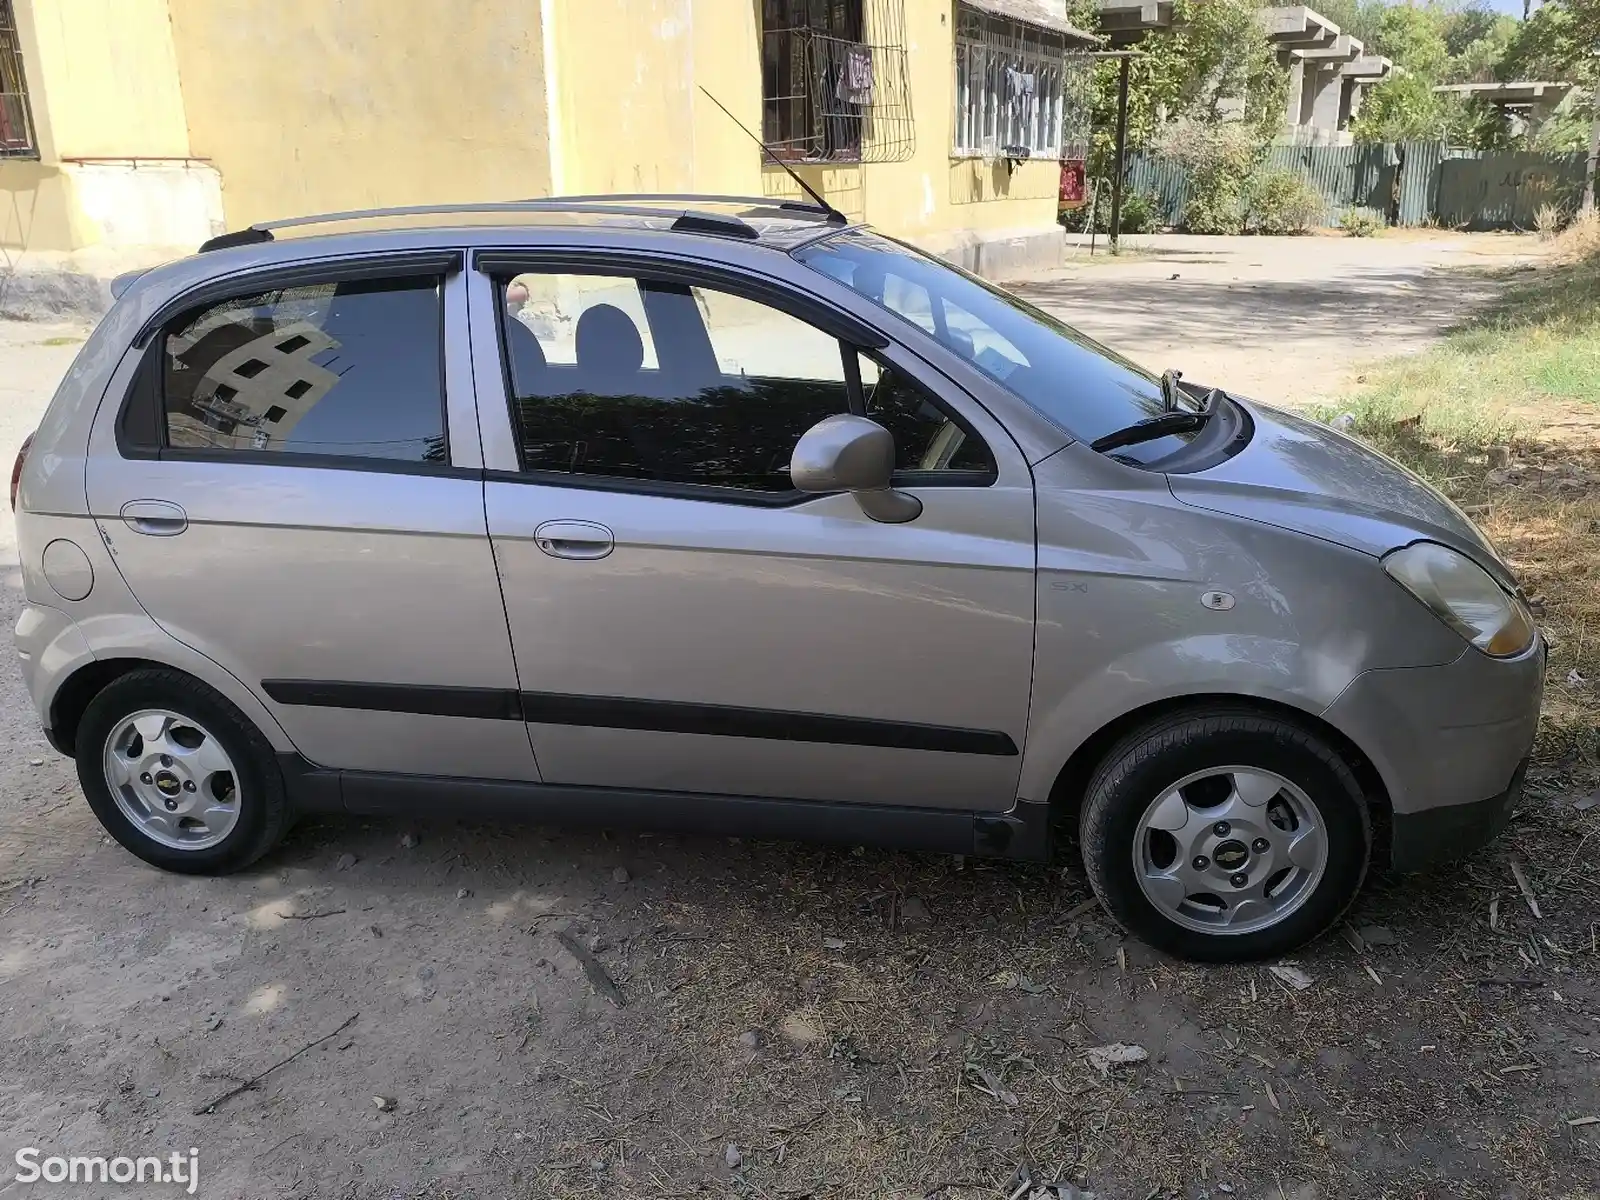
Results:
61 341
1504 417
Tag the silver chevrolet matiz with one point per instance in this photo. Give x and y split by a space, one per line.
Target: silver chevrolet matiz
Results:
731 517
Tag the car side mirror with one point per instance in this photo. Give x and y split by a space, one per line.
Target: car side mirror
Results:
847 453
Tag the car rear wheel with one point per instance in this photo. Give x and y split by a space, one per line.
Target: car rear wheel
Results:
178 775
1225 835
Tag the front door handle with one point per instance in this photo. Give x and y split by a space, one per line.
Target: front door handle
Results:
157 518
574 539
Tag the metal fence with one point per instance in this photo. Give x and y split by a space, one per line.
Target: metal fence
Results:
1347 177
1407 183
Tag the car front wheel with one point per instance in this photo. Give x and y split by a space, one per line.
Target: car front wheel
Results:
178 775
1226 835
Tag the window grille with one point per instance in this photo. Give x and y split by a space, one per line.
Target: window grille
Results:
1013 83
16 122
834 84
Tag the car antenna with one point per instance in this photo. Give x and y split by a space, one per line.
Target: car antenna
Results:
833 214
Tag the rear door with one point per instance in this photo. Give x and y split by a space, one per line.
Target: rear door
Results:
293 488
684 619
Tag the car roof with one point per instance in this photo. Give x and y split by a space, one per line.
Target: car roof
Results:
774 220
728 228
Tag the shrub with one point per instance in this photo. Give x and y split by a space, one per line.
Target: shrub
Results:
1358 222
1140 214
1283 202
1216 207
1220 157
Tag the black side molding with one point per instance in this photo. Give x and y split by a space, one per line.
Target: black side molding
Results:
656 716
1023 833
493 704
723 720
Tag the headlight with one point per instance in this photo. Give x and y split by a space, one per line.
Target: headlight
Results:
1464 596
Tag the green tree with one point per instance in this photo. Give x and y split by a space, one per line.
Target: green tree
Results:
1473 23
1405 108
1213 64
1477 41
1557 43
1359 18
1413 36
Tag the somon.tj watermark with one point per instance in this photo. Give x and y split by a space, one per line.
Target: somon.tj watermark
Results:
33 1166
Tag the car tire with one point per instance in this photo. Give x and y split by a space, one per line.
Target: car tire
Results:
1189 847
219 775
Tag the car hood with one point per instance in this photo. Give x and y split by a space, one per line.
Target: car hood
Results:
1300 475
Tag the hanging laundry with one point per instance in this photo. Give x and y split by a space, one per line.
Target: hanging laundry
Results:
1020 84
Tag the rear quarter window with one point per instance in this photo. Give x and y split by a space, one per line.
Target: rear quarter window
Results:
338 370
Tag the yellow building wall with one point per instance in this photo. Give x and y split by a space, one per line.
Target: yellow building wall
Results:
933 198
309 106
630 112
102 83
36 208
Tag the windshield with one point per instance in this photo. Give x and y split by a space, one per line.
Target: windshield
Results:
1082 386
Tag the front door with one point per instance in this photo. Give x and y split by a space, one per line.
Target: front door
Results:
683 619
294 491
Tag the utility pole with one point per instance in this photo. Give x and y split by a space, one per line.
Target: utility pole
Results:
1594 134
1594 156
1122 154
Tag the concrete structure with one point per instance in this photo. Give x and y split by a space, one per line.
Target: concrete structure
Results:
157 123
1524 105
1328 72
1328 69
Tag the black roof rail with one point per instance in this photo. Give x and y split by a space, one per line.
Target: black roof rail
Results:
715 223
251 236
642 204
770 202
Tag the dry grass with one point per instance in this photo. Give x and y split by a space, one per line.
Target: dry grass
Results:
1580 241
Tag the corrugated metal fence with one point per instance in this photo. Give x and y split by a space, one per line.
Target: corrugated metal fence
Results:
1408 183
1361 177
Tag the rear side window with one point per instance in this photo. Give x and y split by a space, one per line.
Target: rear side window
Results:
346 370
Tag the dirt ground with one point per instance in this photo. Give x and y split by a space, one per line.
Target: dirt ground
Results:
1286 320
774 1021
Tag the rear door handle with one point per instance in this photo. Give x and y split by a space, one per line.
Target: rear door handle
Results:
574 539
157 518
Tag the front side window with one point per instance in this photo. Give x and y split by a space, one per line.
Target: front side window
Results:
622 378
1085 388
16 121
344 370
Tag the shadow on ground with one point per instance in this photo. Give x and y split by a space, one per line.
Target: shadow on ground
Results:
1368 308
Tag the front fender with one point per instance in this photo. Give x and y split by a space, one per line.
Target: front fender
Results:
1142 599
1208 665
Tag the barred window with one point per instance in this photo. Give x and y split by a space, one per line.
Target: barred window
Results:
1009 88
16 122
833 81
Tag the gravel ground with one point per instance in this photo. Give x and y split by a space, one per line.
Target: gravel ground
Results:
544 1013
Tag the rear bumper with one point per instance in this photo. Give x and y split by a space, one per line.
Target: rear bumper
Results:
1450 744
50 646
